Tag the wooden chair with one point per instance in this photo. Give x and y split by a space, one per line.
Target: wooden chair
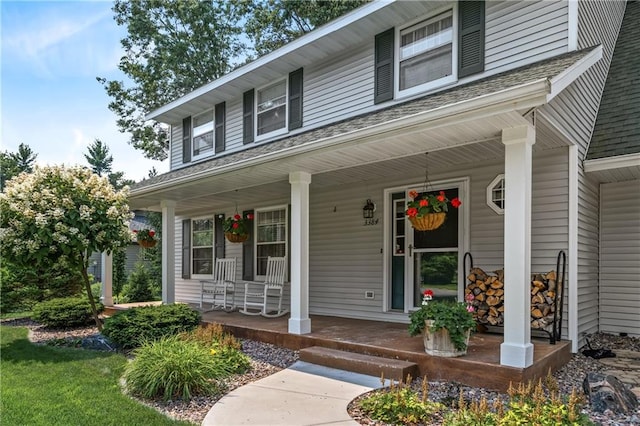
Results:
257 294
221 289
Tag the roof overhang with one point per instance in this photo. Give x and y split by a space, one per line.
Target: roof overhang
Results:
614 169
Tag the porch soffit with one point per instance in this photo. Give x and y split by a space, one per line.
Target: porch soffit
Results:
468 114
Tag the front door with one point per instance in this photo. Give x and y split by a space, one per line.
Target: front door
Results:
426 259
432 257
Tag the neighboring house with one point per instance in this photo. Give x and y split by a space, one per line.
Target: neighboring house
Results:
304 136
133 252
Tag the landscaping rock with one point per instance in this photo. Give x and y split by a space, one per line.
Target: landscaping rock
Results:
97 342
606 392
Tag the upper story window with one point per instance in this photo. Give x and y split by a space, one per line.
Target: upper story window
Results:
202 246
202 134
426 54
272 108
271 236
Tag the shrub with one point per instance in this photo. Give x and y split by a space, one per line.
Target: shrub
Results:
401 405
130 328
171 367
539 405
224 346
64 312
138 286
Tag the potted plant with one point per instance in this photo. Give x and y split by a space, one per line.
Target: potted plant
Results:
145 237
446 325
428 211
236 228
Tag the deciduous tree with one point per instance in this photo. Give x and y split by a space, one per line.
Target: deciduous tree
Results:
62 214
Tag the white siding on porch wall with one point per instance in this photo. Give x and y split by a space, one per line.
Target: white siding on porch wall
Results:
619 293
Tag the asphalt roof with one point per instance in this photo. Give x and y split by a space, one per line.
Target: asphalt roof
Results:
617 129
545 69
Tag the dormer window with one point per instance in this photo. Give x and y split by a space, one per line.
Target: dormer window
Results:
426 54
202 134
272 108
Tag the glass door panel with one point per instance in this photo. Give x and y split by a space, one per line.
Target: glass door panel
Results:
437 271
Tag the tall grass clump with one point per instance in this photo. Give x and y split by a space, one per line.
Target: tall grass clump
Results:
171 368
399 404
225 347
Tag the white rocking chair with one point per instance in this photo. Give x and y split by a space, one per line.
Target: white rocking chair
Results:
221 289
257 294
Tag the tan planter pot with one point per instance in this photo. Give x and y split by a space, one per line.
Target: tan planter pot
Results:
439 343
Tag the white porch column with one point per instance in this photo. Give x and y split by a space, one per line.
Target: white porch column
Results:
168 252
517 350
107 279
299 322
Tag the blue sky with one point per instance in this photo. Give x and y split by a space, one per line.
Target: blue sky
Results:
52 52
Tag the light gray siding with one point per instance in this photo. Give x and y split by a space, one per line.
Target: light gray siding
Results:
576 108
588 194
518 33
619 293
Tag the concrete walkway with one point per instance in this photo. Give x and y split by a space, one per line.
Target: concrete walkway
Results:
303 394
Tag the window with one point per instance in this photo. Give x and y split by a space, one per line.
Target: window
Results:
272 108
271 236
426 53
495 194
202 134
202 246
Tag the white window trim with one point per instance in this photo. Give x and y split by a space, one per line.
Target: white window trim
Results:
255 240
490 188
444 81
213 147
213 246
278 132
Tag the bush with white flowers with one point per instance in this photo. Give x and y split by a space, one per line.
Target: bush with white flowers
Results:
60 213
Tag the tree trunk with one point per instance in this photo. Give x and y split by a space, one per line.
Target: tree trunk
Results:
94 308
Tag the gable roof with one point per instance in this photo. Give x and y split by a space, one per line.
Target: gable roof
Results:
617 128
541 80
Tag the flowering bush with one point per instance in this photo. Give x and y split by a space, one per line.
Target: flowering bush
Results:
455 317
236 224
429 203
62 214
145 235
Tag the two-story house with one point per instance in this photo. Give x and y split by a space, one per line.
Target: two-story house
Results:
502 95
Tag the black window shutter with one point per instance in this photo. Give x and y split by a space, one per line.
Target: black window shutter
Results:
470 37
383 86
186 140
247 250
220 117
295 99
247 116
219 235
186 248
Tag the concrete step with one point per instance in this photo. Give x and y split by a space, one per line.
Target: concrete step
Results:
359 363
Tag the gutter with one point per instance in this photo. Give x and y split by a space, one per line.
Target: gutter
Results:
611 163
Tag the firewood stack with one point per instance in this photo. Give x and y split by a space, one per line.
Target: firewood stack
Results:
488 292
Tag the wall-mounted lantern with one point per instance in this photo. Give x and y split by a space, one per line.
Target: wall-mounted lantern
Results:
368 209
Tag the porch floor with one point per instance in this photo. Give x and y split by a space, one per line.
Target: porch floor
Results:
479 367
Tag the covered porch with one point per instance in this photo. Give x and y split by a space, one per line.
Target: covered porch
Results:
340 267
480 367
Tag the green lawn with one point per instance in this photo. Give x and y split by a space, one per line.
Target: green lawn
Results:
43 385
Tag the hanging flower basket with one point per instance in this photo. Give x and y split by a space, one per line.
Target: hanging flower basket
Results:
236 238
147 244
428 222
